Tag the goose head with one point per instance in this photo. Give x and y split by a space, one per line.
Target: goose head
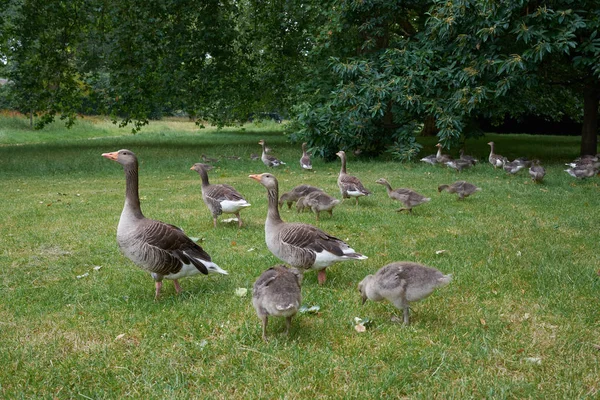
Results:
123 157
439 146
382 181
267 180
199 166
362 287
341 154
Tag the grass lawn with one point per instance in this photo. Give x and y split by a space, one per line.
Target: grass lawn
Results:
521 318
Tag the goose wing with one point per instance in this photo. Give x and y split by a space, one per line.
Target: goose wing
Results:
307 238
352 184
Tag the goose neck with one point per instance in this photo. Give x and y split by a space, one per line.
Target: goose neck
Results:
132 197
343 169
273 210
203 177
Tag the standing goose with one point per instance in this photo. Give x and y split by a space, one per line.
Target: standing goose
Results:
305 162
297 192
459 165
442 158
495 159
277 293
267 159
408 197
462 188
300 245
161 249
536 171
402 283
349 185
430 159
220 198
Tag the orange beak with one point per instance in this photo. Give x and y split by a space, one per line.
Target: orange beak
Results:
111 156
255 177
192 168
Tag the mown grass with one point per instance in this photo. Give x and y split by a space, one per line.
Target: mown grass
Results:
524 258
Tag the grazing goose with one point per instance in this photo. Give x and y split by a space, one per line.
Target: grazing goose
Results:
582 172
277 293
408 197
208 159
305 162
495 159
459 165
297 192
254 157
442 158
220 199
317 202
267 159
536 171
468 158
512 167
349 185
430 159
462 188
161 249
300 245
402 283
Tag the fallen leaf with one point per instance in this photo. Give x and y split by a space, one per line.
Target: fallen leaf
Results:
360 328
203 343
519 253
241 292
251 249
120 336
97 267
440 252
309 310
533 360
395 319
596 346
494 291
228 220
482 321
233 243
83 276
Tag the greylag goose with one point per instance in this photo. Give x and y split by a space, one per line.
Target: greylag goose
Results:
277 293
524 161
408 197
267 159
402 283
305 162
254 156
440 157
300 245
466 157
462 188
297 192
350 186
582 172
495 159
161 249
512 167
208 159
317 202
430 159
536 171
459 165
220 199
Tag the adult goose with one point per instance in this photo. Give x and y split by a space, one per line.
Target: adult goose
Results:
495 159
305 162
440 157
267 159
459 165
300 245
161 249
430 159
536 171
462 188
402 283
220 199
296 193
408 197
350 186
277 293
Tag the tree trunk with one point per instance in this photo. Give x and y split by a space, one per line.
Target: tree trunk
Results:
589 130
429 128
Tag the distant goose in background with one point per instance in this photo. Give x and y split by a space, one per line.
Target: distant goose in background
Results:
524 161
440 157
583 161
468 158
408 197
430 159
254 157
536 171
317 202
161 249
462 188
459 165
269 160
297 192
402 283
305 162
208 159
350 186
300 245
512 167
220 199
277 293
582 172
495 159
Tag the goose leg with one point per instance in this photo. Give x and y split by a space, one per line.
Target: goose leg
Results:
401 209
288 322
264 327
406 311
330 213
356 201
158 286
237 214
214 222
177 287
321 276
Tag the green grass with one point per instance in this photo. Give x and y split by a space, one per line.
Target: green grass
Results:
524 258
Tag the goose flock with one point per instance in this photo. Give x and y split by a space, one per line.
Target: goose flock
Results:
166 252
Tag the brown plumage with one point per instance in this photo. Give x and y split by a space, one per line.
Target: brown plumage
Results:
440 157
269 160
462 188
161 249
317 202
408 197
350 186
305 162
297 192
495 159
